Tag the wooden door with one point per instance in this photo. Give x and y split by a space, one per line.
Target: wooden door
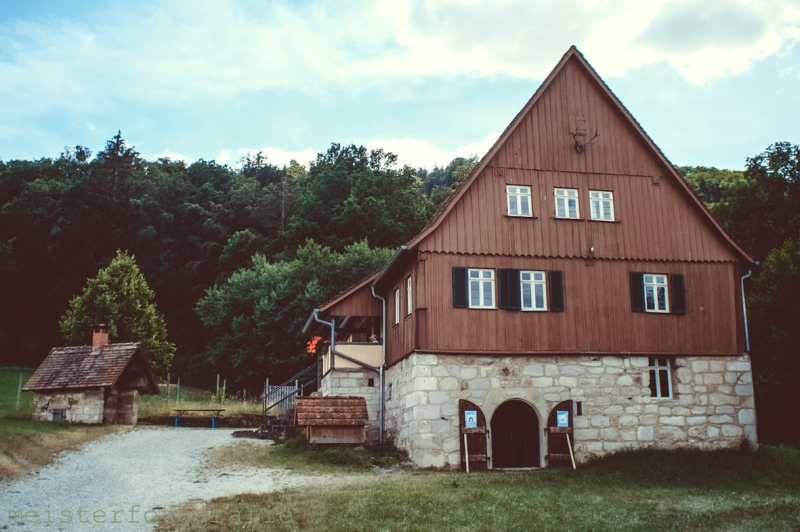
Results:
476 438
557 446
515 435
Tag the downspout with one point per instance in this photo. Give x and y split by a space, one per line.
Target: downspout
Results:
744 312
383 357
394 258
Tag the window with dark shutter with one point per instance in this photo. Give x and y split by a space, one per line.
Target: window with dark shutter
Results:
678 287
556 281
637 292
513 289
502 288
459 287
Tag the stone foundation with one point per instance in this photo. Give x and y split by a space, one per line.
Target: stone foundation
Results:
711 407
89 406
348 381
80 406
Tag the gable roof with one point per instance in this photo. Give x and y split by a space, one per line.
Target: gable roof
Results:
77 367
572 54
331 411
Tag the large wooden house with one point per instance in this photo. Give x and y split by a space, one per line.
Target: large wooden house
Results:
574 272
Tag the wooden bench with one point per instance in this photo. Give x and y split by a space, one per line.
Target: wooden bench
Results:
182 411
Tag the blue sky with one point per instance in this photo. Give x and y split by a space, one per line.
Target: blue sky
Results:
712 82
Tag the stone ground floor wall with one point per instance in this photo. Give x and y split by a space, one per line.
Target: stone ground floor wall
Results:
89 406
85 406
711 407
121 408
356 382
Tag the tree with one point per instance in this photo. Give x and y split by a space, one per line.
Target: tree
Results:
350 194
762 210
254 319
120 297
775 315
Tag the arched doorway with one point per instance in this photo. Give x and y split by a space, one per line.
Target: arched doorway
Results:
515 435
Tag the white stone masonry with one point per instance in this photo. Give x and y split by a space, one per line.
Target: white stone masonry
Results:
711 407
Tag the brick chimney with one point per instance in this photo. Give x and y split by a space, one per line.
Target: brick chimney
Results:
99 336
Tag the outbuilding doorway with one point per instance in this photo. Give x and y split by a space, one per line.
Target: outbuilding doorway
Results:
515 435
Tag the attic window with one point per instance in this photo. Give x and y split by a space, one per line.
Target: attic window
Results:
601 204
567 203
519 200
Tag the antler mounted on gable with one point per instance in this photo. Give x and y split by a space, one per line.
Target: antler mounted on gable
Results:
581 146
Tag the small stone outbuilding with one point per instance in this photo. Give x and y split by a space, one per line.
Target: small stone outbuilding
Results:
98 383
333 419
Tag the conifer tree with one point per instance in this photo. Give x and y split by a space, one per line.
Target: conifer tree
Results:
120 297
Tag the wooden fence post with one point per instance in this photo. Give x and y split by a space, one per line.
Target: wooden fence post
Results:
19 392
178 400
168 379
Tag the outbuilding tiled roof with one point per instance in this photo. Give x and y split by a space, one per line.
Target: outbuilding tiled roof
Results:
332 411
87 367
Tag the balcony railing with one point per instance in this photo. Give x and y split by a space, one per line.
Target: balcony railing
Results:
367 352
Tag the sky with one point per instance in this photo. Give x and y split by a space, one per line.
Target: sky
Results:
712 82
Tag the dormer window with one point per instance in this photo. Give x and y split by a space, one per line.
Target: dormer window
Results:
567 203
519 200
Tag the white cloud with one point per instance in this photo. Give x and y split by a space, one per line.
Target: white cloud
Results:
174 51
413 152
275 155
174 156
421 154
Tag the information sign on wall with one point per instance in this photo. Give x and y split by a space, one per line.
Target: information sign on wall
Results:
470 419
562 418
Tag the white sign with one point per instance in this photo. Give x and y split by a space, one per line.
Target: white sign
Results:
562 418
470 419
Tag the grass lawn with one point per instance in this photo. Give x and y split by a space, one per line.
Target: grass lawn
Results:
26 444
163 404
641 490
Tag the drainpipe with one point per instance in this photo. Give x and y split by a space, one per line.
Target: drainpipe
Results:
383 357
394 259
744 311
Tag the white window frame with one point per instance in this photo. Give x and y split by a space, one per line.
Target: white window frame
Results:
408 296
396 306
658 281
598 199
563 195
485 286
532 282
655 369
518 193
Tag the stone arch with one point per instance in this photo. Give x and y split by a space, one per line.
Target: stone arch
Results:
516 434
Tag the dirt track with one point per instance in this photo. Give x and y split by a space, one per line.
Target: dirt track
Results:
123 481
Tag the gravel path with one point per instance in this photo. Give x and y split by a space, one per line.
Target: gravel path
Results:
111 483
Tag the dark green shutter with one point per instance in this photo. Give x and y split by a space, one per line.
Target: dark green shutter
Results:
502 288
555 279
459 287
678 289
637 291
514 302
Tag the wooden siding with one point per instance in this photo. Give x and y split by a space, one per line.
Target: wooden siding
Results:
543 139
402 336
652 221
358 303
597 318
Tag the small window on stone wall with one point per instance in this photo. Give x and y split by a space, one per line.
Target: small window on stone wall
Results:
59 414
371 382
389 392
660 378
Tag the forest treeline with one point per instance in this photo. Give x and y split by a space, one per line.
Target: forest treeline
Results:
237 256
298 234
